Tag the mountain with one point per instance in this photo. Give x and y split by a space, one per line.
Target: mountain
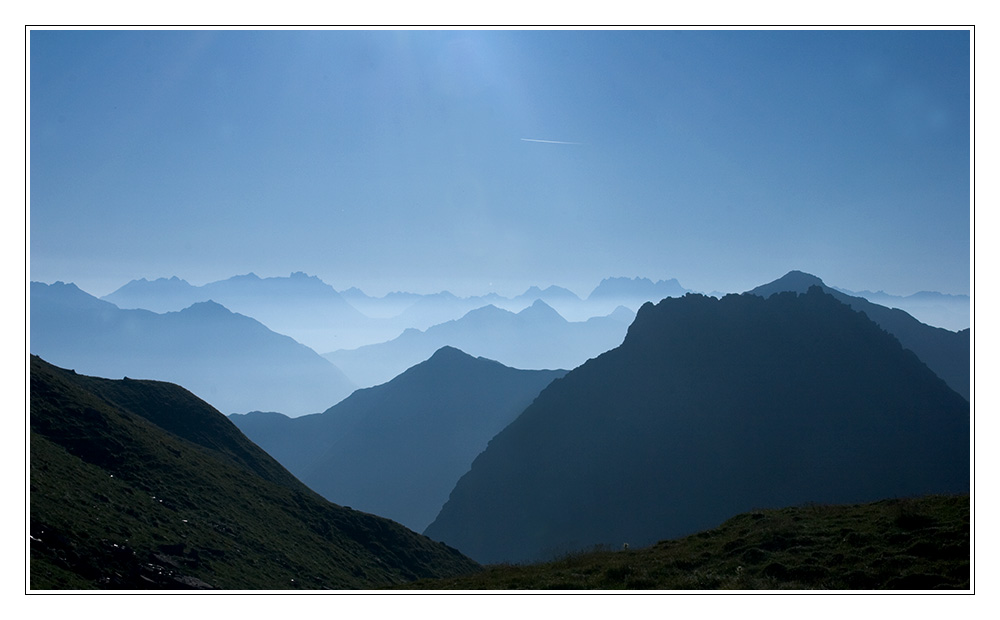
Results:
398 449
548 295
141 485
386 307
632 293
159 295
230 360
951 312
710 408
300 306
535 338
947 353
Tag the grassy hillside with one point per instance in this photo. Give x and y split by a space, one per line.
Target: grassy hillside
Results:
138 484
899 544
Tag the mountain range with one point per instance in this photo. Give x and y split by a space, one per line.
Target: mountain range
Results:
141 485
230 360
534 338
300 306
710 408
791 393
314 313
398 449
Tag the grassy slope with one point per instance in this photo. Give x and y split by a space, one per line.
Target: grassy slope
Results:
117 501
900 544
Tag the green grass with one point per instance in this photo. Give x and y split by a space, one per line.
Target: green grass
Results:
899 544
119 502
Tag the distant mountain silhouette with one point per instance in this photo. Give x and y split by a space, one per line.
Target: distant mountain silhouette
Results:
159 295
551 293
710 408
228 359
535 338
301 306
947 353
141 485
637 288
952 312
387 307
398 449
311 311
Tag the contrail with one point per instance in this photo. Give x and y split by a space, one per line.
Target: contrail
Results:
548 141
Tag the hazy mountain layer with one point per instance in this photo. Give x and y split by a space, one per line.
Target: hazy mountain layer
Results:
230 360
311 311
631 293
952 312
947 353
398 449
710 408
535 338
300 306
141 485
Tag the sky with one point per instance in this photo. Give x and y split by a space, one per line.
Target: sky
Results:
478 161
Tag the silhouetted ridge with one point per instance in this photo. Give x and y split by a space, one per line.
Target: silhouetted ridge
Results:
397 449
541 311
797 281
710 408
947 353
207 308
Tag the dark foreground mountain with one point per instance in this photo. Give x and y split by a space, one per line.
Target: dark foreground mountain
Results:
895 544
537 337
228 359
708 409
398 449
945 352
139 484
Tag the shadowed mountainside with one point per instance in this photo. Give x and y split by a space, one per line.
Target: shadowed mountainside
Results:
141 485
947 353
228 359
398 449
708 409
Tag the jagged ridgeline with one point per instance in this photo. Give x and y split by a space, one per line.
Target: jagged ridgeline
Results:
708 409
139 484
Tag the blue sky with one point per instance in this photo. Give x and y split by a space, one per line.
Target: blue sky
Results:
406 160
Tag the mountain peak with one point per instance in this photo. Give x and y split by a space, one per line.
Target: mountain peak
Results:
207 308
794 281
449 353
540 311
606 453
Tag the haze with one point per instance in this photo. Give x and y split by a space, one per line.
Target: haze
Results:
478 161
